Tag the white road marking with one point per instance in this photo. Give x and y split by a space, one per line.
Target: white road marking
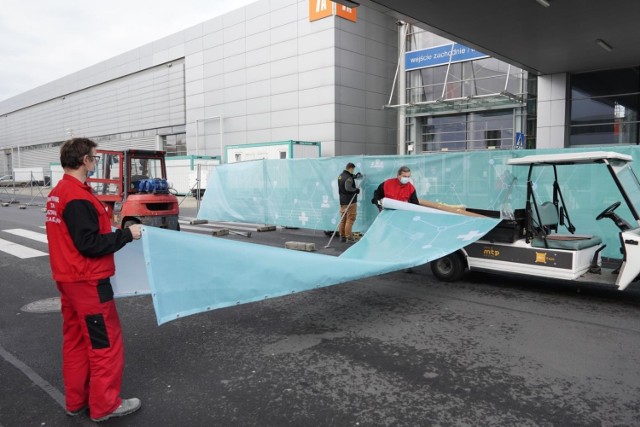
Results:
23 252
28 234
19 250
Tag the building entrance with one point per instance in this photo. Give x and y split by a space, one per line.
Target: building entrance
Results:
470 131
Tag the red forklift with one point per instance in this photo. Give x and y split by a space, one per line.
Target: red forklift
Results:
132 185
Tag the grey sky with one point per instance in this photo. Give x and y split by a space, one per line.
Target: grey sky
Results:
43 40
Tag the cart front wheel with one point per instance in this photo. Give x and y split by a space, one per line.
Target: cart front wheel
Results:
449 268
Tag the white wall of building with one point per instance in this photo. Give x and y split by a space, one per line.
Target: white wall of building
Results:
269 74
254 68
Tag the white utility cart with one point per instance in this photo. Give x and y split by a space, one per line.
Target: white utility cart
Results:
540 240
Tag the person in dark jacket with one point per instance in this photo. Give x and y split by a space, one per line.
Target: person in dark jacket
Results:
348 193
398 188
81 248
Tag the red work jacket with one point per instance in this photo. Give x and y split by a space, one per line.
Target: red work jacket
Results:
81 243
394 190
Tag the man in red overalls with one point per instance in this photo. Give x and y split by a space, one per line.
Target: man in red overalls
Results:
81 248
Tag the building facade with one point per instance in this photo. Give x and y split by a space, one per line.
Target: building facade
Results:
358 81
303 70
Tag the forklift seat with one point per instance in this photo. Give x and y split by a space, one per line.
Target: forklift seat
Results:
549 221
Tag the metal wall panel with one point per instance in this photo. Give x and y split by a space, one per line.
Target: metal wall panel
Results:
42 157
144 100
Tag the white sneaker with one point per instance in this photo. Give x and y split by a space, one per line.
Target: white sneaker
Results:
128 406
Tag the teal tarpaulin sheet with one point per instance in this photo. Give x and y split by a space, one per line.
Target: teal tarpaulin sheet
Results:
303 192
215 273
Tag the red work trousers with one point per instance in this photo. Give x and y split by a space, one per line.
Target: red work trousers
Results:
92 350
348 218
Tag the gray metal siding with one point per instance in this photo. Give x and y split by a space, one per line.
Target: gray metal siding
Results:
42 157
147 99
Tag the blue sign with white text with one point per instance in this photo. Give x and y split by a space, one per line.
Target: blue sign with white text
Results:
439 55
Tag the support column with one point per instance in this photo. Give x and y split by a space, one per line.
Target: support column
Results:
402 88
553 102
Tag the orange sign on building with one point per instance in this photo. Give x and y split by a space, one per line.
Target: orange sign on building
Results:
319 9
346 12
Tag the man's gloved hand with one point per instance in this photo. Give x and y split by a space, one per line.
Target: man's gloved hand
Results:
357 191
358 175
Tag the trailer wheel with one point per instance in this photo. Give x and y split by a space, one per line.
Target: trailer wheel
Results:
449 268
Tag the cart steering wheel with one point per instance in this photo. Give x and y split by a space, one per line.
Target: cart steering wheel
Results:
608 211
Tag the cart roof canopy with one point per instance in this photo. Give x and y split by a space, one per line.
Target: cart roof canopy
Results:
569 158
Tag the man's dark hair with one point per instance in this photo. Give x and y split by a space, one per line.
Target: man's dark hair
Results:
403 169
350 165
73 151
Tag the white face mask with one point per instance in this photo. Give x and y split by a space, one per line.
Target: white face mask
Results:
404 180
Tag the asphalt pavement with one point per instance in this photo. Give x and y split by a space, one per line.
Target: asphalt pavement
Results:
401 349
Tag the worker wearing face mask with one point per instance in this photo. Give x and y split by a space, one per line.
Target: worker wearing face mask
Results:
398 188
